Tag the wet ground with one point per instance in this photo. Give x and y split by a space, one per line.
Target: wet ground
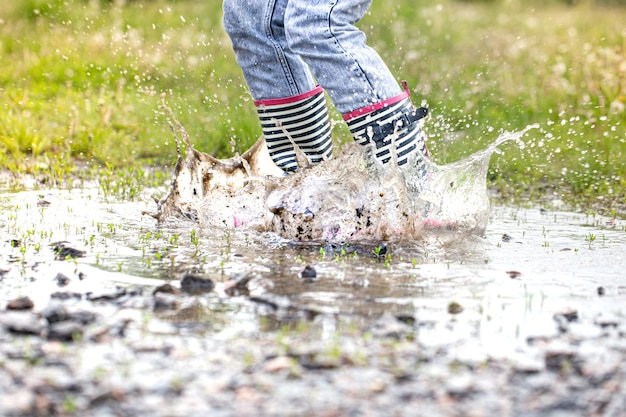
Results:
104 313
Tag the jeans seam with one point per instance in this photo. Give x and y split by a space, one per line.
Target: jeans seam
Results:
278 50
345 52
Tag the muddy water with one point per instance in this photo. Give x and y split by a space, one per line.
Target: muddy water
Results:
525 319
507 286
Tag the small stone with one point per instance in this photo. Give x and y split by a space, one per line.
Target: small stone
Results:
455 308
22 322
83 317
569 314
605 321
166 288
407 319
506 237
561 358
66 295
194 284
240 281
601 291
134 292
65 330
107 295
62 279
308 273
55 312
63 251
20 303
271 302
237 285
165 301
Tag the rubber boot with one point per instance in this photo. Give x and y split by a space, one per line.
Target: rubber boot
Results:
300 121
392 128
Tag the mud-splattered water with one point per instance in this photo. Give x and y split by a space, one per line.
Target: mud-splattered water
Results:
348 198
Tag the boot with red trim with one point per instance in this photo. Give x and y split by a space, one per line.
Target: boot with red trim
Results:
300 121
392 129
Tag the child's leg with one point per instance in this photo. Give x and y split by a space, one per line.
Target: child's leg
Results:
361 86
257 33
291 107
324 34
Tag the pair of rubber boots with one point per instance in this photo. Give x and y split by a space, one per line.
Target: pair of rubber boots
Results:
391 128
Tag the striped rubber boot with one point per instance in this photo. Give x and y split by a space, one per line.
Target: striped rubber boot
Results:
391 127
301 120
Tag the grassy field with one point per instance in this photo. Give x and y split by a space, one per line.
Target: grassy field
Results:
81 81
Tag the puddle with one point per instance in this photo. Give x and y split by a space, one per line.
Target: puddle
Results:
439 320
510 282
503 275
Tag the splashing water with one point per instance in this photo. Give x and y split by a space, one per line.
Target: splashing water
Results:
349 198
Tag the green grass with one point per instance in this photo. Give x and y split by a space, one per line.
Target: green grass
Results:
81 80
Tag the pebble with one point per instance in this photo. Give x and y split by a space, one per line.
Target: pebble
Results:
514 274
66 295
107 294
22 322
166 288
63 250
194 284
65 330
568 314
62 279
308 273
20 303
455 308
165 301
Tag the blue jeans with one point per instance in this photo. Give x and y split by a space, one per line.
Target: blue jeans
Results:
286 47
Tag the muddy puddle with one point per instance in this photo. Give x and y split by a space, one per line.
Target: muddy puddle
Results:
530 264
526 318
236 293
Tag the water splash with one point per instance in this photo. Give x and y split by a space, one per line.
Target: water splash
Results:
349 198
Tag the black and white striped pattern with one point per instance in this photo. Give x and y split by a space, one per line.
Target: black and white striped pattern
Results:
408 138
306 121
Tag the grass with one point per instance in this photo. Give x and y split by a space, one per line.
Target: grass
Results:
81 82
